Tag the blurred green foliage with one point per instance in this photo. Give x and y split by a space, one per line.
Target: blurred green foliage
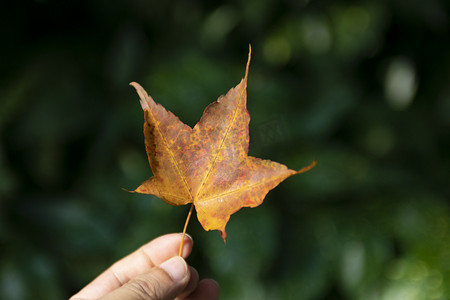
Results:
362 86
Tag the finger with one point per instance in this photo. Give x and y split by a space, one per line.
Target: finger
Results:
207 289
161 283
139 262
191 286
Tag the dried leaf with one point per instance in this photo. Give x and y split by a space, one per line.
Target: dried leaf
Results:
207 165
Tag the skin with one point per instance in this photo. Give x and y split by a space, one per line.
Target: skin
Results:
153 272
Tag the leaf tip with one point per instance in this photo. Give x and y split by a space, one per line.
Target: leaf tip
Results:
124 189
145 99
308 167
136 85
248 60
223 234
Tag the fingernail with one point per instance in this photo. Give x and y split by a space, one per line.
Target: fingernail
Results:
190 237
176 267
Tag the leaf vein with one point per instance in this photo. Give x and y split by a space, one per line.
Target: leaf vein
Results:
221 144
166 144
247 187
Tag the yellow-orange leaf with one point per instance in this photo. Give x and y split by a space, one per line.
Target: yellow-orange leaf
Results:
207 165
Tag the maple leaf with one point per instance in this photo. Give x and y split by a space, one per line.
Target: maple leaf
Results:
207 165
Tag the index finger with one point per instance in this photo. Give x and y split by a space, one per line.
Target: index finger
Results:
140 261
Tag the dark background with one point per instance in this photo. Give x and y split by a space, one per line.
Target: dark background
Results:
361 86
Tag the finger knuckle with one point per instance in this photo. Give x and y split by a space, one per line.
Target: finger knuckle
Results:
146 288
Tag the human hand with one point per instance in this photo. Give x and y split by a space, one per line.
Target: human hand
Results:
153 272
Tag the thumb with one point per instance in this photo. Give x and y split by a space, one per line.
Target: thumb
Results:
163 282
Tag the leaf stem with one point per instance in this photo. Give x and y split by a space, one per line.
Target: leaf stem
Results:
184 229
